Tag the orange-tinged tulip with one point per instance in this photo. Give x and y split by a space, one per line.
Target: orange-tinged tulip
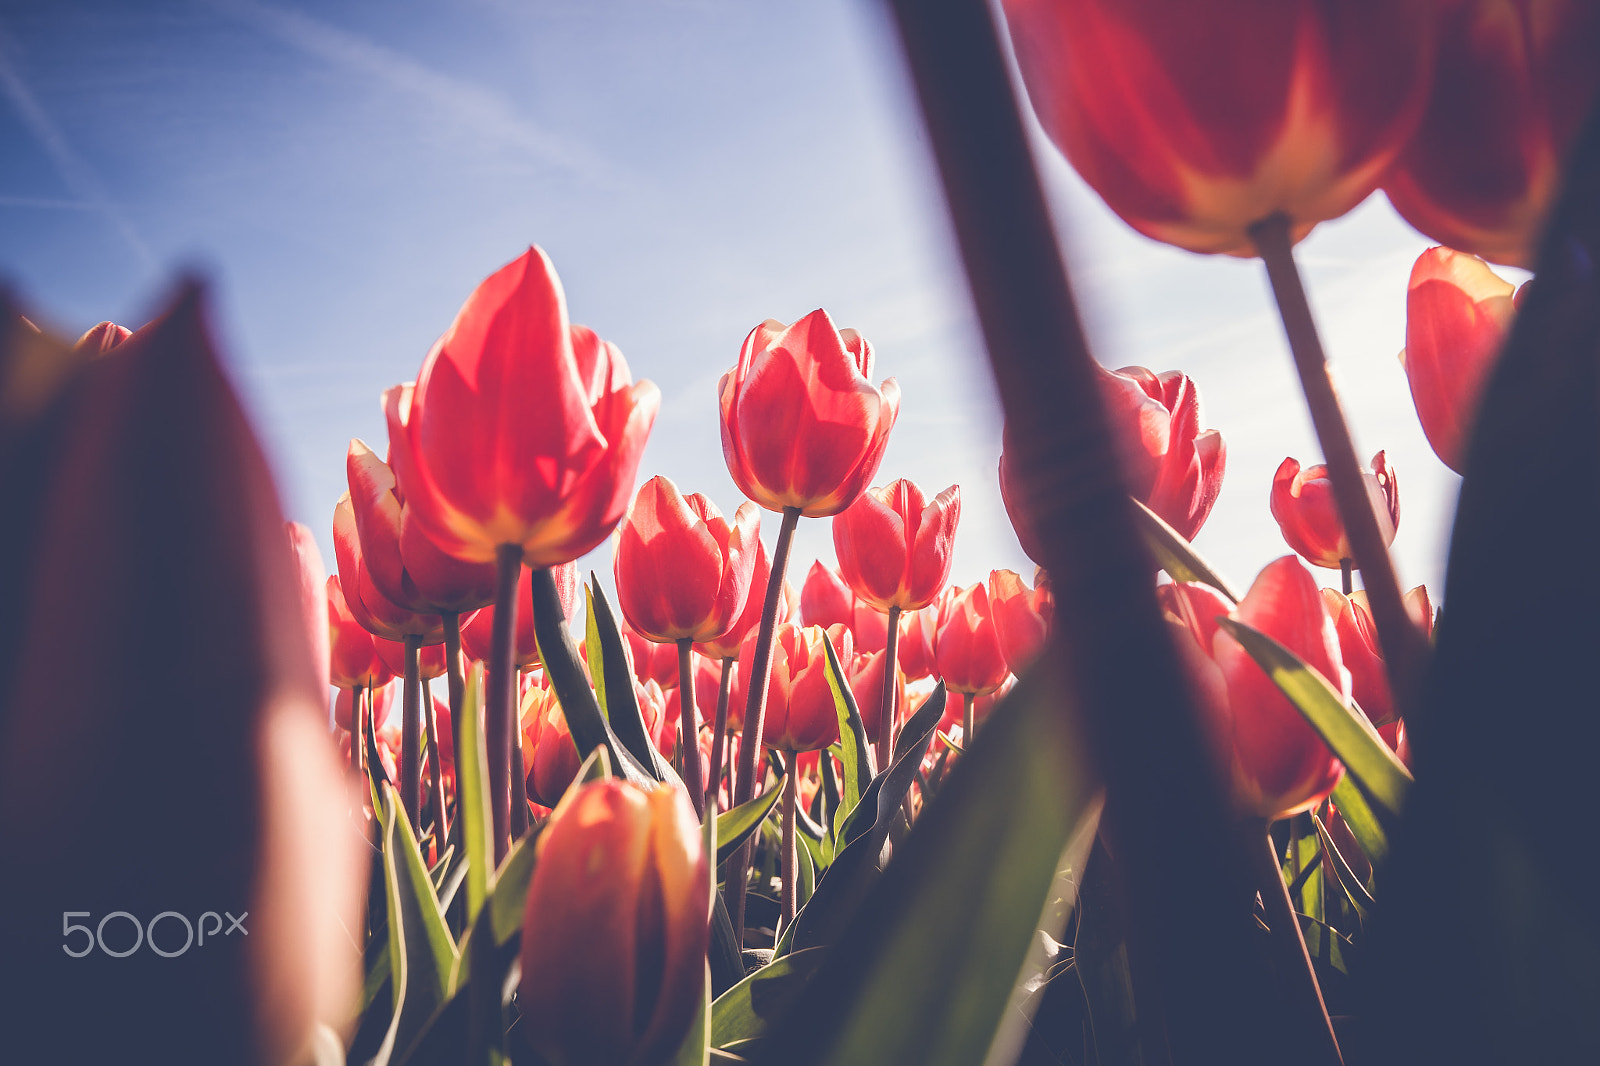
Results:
616 928
1458 313
1303 504
802 424
894 545
1021 617
1194 121
683 570
1274 759
1513 83
800 709
549 755
726 645
353 660
1358 647
967 648
524 429
478 629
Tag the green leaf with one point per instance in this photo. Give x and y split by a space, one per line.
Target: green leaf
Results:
1325 944
472 795
1354 890
613 685
944 738
924 968
591 645
855 754
735 825
511 888
696 1047
1346 731
805 873
1362 821
744 1011
1176 555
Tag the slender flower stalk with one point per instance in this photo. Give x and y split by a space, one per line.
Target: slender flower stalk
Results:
455 679
430 721
1403 648
791 766
719 737
411 737
891 669
689 728
499 709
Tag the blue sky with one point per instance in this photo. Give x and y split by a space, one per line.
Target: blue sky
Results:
345 173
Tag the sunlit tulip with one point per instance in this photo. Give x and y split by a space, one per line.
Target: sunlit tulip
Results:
616 928
726 645
1193 121
866 684
1513 83
919 631
550 757
651 661
378 614
1275 761
1021 617
524 429
1458 313
478 629
825 599
1303 504
800 711
967 648
683 570
1358 647
894 545
352 658
802 424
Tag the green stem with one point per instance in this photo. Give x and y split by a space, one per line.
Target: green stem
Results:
456 680
689 728
499 715
1345 568
891 666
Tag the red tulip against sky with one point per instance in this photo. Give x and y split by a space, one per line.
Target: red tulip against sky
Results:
1021 617
1513 83
1193 121
378 614
1358 647
1303 505
918 632
967 647
616 927
800 710
1458 313
353 660
1275 761
894 545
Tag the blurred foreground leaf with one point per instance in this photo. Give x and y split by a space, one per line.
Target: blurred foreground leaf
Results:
1176 555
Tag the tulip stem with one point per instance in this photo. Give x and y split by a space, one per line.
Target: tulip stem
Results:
791 761
520 820
455 678
430 719
689 728
355 730
411 737
968 726
886 706
502 685
1345 573
1295 972
755 712
719 736
1404 648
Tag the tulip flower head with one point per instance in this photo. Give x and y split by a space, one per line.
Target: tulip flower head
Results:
866 684
1021 617
1193 121
353 660
683 570
1303 504
549 754
1458 313
918 632
967 648
1358 647
726 645
1514 81
894 545
378 614
101 338
800 709
802 424
616 927
524 429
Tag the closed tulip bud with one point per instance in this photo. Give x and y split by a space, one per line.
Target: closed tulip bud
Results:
1275 761
967 648
802 424
683 570
651 661
1358 647
523 429
1303 504
1513 84
1458 313
866 684
825 599
869 626
800 711
918 632
726 645
894 545
616 927
1021 617
549 754
1193 121
478 629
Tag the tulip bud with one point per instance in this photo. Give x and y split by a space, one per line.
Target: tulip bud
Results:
967 648
918 632
616 927
1303 504
866 684
800 710
1358 647
1458 313
894 546
1021 617
102 338
802 424
352 657
549 754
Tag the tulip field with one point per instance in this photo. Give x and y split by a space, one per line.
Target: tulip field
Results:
453 799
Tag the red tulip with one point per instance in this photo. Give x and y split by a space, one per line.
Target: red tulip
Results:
1303 504
651 661
616 927
726 645
866 684
378 614
919 631
802 425
403 564
352 658
1358 647
1194 121
524 429
1276 762
683 571
1021 617
549 755
386 700
1514 81
800 709
825 600
1458 313
477 629
967 649
313 596
102 338
894 546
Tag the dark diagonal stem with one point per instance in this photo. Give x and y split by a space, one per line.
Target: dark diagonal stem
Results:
519 778
689 728
430 720
499 713
886 711
719 736
1293 961
1405 651
791 766
411 737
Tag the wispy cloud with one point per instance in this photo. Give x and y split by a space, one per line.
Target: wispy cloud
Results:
48 204
77 174
483 110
